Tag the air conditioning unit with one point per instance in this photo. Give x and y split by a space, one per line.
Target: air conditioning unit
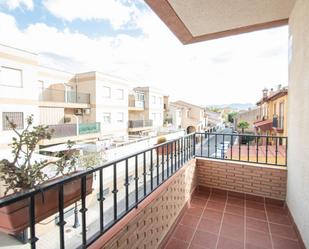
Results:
87 111
78 112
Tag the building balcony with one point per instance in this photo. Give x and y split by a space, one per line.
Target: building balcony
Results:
73 132
179 198
69 98
139 125
136 105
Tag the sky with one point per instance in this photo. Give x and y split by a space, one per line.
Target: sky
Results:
126 39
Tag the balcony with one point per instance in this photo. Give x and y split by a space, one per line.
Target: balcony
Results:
136 105
60 96
74 132
171 195
139 125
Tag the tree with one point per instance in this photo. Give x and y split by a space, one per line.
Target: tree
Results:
243 125
232 116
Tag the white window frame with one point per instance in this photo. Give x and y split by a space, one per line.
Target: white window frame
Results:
153 99
122 117
20 85
121 95
107 114
107 88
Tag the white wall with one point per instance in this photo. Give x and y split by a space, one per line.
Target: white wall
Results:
298 118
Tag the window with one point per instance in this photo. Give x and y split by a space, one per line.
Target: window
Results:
275 109
16 117
160 100
120 117
106 92
11 77
119 94
153 99
106 118
153 116
140 96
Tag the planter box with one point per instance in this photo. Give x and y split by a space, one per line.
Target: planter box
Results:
14 218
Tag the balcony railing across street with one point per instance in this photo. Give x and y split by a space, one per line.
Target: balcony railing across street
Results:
131 179
55 95
140 123
89 128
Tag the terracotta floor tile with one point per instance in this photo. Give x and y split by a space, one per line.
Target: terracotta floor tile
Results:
212 214
183 233
215 205
236 194
232 219
205 239
189 220
257 225
195 201
238 210
236 201
195 210
254 198
277 210
256 214
250 246
232 232
273 202
201 195
218 198
255 205
176 244
282 243
283 231
196 247
226 243
258 239
219 192
278 218
207 225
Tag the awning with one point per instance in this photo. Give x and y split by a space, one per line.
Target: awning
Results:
264 125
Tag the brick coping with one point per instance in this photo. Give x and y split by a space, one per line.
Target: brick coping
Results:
242 163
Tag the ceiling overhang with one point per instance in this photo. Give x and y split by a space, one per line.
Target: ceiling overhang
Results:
199 20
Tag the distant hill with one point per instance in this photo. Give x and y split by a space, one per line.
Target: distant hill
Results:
234 106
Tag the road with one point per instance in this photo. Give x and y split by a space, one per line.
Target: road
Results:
211 143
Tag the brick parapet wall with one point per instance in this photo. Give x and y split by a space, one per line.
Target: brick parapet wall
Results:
260 180
146 226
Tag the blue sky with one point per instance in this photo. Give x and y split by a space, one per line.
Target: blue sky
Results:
126 39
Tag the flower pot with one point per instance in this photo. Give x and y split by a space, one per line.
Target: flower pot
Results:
163 149
14 218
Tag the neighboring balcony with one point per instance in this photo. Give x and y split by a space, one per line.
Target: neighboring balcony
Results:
171 195
139 125
70 98
74 132
136 105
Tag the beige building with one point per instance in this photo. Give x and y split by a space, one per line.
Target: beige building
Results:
192 116
146 109
251 116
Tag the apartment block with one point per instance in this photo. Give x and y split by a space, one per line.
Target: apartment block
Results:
146 112
193 117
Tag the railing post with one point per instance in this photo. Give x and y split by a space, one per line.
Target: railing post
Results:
194 142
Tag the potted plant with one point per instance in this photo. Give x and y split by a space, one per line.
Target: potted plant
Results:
23 173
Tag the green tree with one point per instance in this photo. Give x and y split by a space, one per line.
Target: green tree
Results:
243 125
232 116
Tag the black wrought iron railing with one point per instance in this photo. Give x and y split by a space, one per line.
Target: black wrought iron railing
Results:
271 150
103 195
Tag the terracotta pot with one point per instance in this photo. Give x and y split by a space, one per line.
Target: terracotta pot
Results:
14 218
163 149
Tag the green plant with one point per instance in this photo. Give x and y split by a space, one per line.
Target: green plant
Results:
243 125
161 140
22 172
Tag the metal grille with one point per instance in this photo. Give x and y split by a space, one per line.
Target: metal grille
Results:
15 117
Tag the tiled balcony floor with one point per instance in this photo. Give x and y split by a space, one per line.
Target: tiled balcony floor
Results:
226 221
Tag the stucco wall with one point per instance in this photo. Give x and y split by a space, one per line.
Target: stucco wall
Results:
298 119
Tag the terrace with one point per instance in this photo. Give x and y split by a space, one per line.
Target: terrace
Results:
167 196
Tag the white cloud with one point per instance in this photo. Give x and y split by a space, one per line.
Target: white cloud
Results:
13 4
233 69
111 10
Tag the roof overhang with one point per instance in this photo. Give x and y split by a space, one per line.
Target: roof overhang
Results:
199 20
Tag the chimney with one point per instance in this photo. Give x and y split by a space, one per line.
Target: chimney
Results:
265 93
279 87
